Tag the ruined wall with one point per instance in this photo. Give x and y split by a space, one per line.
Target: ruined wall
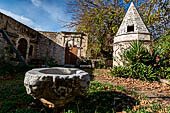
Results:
17 31
35 45
57 37
79 40
49 49
38 46
84 45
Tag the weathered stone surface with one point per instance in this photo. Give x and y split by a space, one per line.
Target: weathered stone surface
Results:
41 45
77 39
57 86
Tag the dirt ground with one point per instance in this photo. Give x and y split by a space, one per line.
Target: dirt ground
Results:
155 91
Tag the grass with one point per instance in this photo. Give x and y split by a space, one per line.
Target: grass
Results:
13 97
100 98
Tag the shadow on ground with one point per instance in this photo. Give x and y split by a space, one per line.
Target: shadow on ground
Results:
100 98
102 102
90 72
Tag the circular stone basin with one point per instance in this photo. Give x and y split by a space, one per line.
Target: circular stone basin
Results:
55 87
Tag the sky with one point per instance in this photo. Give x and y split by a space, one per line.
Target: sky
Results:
41 15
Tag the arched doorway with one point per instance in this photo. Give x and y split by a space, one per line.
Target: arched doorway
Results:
70 54
22 47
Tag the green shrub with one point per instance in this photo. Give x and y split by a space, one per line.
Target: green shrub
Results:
9 69
100 64
138 53
23 68
84 61
144 64
8 106
136 71
163 46
6 69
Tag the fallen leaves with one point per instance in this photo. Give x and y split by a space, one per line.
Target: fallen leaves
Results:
135 108
149 89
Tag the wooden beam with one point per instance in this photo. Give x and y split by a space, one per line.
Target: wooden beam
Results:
18 54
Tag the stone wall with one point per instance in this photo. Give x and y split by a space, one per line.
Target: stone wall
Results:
42 46
17 31
77 39
2 45
55 36
132 37
50 49
119 49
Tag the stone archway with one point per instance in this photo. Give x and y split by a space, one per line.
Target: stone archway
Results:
22 47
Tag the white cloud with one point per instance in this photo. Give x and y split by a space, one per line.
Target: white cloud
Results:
55 12
21 19
36 2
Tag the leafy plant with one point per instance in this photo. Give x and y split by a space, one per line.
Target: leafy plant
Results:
100 19
163 46
7 69
85 61
137 53
100 64
136 71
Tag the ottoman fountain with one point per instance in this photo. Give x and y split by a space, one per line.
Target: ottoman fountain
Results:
55 87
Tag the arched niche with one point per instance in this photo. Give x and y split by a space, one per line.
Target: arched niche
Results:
22 47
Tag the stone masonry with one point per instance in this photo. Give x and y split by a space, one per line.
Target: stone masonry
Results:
74 39
131 29
35 45
57 86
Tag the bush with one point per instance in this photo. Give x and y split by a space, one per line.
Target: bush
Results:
138 53
141 64
163 46
84 61
6 69
136 71
144 64
9 69
100 64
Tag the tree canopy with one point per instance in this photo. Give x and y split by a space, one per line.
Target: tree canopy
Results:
100 19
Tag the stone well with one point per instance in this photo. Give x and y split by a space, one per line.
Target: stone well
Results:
55 87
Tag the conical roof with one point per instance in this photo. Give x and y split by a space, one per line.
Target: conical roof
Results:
132 21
